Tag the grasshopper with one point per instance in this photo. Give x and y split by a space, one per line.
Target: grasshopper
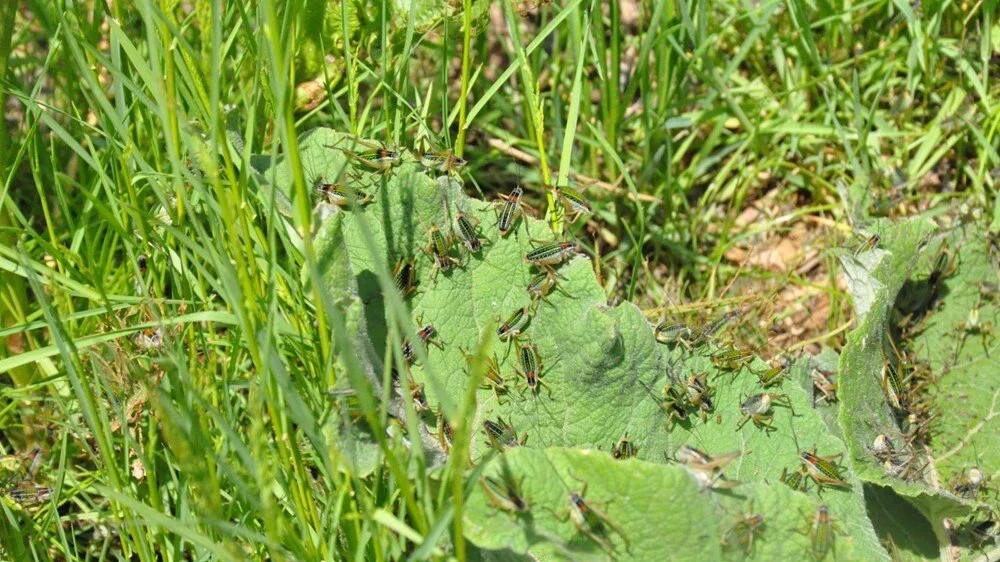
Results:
445 161
502 435
699 394
892 385
541 285
467 231
675 333
379 159
793 480
510 211
823 382
707 469
415 389
505 495
531 369
624 448
732 359
439 250
743 532
342 195
547 255
675 402
758 408
17 484
774 375
574 202
869 244
514 324
445 434
427 333
821 532
592 522
404 277
974 326
822 470
493 379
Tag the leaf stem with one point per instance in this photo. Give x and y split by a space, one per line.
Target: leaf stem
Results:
464 95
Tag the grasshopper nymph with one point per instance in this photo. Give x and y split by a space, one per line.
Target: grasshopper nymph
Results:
445 161
502 435
531 369
493 379
342 195
542 284
743 532
439 250
574 202
822 470
869 244
551 254
513 326
380 159
758 409
671 333
624 448
821 533
510 211
404 277
467 230
593 522
505 495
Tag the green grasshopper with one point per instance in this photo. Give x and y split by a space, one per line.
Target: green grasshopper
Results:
445 433
541 285
673 333
445 161
502 435
974 326
675 403
404 277
624 448
869 244
467 231
821 532
514 324
793 479
743 532
439 250
822 470
592 522
17 485
510 211
732 360
547 255
379 159
531 369
505 495
699 395
342 195
493 379
574 202
892 385
707 469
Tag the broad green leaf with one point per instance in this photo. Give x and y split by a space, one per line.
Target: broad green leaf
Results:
602 367
660 509
875 277
967 392
902 528
823 365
